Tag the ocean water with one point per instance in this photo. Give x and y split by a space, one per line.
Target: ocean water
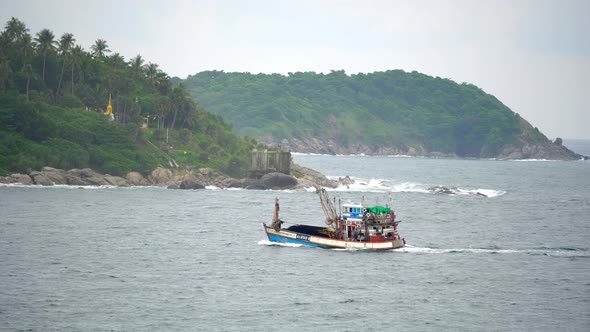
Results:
152 259
581 146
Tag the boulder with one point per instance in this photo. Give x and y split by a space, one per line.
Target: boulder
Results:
346 181
443 190
116 180
161 176
40 179
57 176
17 178
278 180
136 179
190 183
97 181
74 180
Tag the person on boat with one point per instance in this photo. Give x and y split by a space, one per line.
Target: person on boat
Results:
277 224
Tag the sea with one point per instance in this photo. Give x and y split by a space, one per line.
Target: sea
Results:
506 248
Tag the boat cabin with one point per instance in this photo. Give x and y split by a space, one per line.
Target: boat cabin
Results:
371 223
352 210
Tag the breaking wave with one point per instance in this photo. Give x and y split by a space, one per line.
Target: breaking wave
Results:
383 185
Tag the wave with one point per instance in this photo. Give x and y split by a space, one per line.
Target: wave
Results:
555 252
383 186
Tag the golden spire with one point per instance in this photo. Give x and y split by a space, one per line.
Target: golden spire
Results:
109 107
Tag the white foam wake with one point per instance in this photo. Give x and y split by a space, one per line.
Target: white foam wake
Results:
280 244
555 252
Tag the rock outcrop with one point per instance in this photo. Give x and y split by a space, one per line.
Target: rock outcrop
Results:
529 147
276 180
189 178
136 179
190 183
546 150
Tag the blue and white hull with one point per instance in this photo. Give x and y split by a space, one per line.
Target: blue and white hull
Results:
287 236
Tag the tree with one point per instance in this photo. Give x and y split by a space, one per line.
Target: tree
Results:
178 96
25 45
99 48
117 61
45 43
29 73
66 42
151 70
15 29
4 74
77 53
136 63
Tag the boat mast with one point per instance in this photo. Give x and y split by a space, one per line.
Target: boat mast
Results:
328 207
276 223
276 218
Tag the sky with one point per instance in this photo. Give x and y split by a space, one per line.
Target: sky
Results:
533 55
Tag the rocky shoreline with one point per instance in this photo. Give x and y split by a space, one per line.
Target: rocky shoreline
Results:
188 178
540 150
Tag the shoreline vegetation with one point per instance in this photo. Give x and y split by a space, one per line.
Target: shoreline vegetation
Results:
54 93
53 98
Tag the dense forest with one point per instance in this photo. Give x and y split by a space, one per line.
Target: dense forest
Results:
53 94
392 109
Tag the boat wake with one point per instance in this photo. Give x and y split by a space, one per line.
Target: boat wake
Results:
383 185
280 244
556 252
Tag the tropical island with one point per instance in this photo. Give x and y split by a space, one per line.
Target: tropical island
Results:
126 122
381 113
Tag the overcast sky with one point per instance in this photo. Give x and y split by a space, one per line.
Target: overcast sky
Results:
532 55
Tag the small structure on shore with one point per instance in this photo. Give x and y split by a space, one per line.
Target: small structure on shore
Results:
265 161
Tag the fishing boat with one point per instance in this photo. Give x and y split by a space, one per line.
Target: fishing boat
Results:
356 227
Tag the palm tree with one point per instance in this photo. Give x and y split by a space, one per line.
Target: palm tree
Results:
117 60
16 33
151 71
45 42
65 45
99 48
25 45
29 73
136 63
77 53
15 29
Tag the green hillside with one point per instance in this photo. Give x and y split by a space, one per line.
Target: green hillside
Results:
53 95
381 109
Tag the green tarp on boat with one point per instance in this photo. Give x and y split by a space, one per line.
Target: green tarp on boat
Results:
378 209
